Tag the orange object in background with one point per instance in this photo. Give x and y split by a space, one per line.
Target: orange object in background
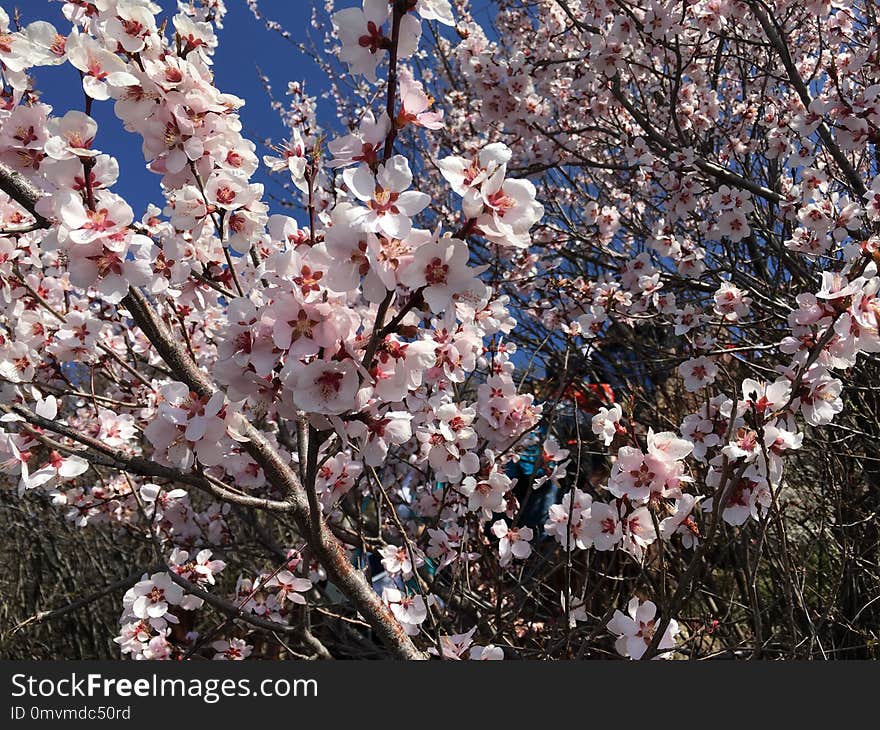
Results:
589 397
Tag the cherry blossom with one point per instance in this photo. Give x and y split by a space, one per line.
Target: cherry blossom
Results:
698 373
606 422
486 495
328 388
362 36
102 70
150 599
635 630
231 650
513 542
409 610
486 653
439 269
400 560
555 302
390 205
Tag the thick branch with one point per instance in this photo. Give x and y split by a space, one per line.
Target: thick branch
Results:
326 546
22 192
101 455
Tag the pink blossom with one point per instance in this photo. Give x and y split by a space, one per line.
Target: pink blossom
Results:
390 205
231 649
513 542
635 630
606 422
698 372
325 387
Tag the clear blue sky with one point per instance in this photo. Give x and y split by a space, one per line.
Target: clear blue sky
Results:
244 45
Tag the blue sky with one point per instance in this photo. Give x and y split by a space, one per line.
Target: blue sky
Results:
244 45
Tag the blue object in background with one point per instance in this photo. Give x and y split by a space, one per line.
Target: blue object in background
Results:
536 502
530 458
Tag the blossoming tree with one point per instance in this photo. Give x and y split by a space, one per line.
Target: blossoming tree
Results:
340 404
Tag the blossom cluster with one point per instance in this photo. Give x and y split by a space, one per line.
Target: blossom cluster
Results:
362 325
367 364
